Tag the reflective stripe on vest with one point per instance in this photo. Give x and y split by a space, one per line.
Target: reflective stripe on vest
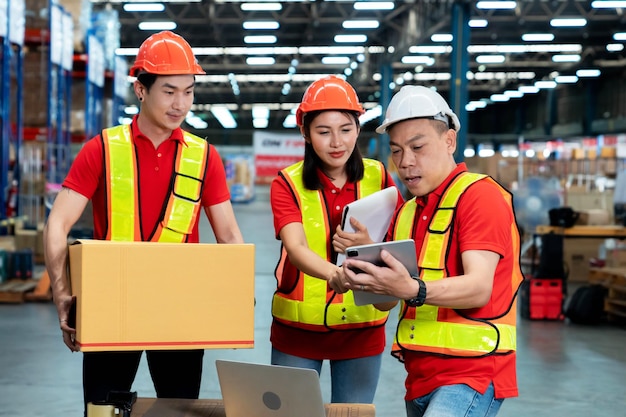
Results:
183 205
311 304
441 330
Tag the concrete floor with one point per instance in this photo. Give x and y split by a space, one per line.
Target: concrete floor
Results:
563 369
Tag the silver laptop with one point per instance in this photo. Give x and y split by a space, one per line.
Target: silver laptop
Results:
256 390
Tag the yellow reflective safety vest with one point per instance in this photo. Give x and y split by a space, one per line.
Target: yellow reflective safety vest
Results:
122 183
311 304
445 331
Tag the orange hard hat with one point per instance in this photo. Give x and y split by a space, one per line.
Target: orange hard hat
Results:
328 93
165 53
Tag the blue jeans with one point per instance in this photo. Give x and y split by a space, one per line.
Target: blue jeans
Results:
455 401
352 380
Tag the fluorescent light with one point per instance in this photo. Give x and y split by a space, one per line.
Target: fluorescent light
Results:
566 79
350 38
615 47
260 39
441 37
374 5
608 4
620 36
157 25
528 89
545 84
568 22
499 97
258 24
335 60
290 121
496 5
588 73
418 59
371 114
518 49
260 60
144 7
514 93
490 59
566 58
538 37
224 116
260 123
250 7
430 49
260 112
360 24
131 110
478 23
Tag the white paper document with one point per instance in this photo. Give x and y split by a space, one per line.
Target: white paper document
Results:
374 211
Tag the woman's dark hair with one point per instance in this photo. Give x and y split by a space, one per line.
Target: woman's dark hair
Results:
354 165
147 79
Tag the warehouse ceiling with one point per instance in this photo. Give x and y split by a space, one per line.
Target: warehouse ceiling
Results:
307 28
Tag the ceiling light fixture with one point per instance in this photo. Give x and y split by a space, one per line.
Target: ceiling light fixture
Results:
574 22
496 5
566 79
360 24
260 60
615 47
418 59
608 4
144 7
260 39
430 49
478 23
254 7
528 89
224 116
441 37
566 58
538 37
157 25
350 38
374 5
335 60
588 73
490 59
499 97
258 24
545 84
620 36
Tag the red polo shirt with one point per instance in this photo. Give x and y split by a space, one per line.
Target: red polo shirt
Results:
334 345
155 166
482 222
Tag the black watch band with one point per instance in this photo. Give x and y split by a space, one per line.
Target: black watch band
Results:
420 298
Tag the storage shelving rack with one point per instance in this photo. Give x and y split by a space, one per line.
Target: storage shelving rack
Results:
94 86
11 62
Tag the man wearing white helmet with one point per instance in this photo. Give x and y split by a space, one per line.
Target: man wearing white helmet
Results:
456 332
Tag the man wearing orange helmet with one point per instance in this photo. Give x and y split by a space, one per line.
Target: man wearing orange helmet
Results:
312 323
132 172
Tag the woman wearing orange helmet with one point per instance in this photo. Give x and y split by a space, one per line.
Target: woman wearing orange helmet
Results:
110 170
311 322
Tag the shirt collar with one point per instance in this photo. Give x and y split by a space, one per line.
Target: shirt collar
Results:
438 192
177 134
328 184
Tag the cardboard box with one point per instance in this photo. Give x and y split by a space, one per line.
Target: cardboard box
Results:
594 217
577 252
147 295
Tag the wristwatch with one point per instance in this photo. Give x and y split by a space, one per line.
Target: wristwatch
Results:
419 299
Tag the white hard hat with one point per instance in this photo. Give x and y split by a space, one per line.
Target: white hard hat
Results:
416 101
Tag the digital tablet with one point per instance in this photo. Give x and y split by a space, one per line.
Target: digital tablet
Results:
374 212
402 250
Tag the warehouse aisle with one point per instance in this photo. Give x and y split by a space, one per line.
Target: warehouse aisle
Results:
564 370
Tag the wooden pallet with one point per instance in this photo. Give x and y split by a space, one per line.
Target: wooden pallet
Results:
20 290
614 279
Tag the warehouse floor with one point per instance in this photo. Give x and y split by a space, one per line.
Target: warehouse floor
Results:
563 369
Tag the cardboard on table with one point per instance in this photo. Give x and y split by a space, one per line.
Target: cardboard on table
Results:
148 295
